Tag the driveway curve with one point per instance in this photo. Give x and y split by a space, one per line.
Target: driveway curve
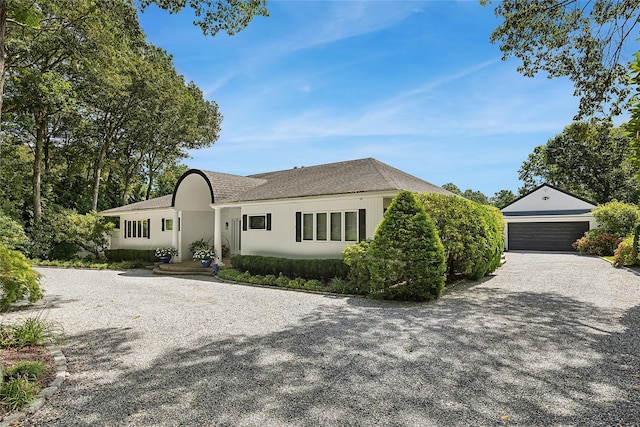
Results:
550 339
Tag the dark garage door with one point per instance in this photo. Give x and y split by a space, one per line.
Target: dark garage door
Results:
545 236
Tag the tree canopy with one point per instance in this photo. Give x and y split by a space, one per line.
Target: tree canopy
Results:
586 41
214 16
92 114
589 159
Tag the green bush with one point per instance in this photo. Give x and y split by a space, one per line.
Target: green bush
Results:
282 281
407 257
472 234
342 286
28 369
314 285
118 255
357 258
17 393
62 232
617 218
11 233
228 274
597 242
18 279
319 269
624 255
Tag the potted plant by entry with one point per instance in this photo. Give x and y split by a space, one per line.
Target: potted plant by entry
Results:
165 254
205 256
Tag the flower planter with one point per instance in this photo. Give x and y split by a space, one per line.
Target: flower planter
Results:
165 259
205 262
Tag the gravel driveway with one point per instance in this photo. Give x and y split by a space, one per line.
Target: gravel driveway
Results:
550 339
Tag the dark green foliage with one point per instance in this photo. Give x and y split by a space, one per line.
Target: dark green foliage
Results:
117 255
589 159
407 255
17 279
320 269
63 232
472 234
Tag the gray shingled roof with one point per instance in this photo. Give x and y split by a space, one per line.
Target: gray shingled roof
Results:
155 203
355 176
226 186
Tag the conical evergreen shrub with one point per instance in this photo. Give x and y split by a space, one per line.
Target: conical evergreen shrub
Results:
407 257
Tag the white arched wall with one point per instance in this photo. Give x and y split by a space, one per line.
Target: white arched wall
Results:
192 199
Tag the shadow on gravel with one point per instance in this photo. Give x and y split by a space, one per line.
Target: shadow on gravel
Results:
486 359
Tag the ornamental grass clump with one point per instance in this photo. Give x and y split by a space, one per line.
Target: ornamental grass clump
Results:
407 257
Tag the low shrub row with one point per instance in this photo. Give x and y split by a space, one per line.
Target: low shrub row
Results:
117 255
335 285
319 269
92 264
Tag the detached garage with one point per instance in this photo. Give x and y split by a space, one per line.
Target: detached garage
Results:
546 219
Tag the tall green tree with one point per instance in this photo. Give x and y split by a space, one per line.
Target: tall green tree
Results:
502 198
589 159
407 255
582 40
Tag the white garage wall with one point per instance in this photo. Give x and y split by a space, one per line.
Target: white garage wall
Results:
547 199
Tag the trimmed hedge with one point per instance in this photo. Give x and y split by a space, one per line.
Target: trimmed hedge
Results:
472 234
319 269
118 255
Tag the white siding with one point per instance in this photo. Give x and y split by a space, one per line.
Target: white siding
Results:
193 194
158 238
195 225
280 241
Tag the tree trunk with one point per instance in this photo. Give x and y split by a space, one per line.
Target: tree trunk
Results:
3 51
41 130
3 54
97 171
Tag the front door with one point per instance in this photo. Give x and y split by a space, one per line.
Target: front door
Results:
236 229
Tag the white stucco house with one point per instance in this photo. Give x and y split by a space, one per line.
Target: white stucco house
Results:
304 212
546 219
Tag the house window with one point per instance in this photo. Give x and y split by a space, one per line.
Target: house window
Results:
336 226
307 226
139 229
351 226
257 222
321 226
167 224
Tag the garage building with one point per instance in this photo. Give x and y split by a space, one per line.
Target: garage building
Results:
546 219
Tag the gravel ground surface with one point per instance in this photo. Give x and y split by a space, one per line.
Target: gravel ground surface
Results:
549 340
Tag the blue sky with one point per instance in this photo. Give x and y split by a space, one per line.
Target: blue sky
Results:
415 84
